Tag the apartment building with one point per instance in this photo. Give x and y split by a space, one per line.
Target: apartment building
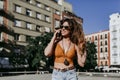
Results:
102 42
32 17
114 26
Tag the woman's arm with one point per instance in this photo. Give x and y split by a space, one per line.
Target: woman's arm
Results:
81 57
50 47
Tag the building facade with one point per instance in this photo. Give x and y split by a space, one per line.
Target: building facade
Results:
102 42
31 18
114 26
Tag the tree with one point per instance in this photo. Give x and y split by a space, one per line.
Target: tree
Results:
14 52
18 57
35 50
91 62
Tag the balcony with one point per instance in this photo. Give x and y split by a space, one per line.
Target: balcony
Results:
114 46
114 30
114 54
114 38
7 14
6 29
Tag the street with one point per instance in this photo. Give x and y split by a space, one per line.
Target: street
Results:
48 77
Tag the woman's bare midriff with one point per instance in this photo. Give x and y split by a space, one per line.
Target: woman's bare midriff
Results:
62 65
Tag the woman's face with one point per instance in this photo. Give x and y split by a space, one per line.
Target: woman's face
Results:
65 29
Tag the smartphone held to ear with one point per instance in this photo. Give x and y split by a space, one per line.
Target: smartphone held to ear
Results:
58 35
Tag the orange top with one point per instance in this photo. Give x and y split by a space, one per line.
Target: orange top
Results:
60 55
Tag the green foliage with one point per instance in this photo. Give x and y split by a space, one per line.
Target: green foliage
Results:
16 53
91 62
9 45
17 59
91 58
35 50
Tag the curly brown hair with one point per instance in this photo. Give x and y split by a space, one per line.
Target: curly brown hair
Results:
76 32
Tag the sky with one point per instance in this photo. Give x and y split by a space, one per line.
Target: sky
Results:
95 13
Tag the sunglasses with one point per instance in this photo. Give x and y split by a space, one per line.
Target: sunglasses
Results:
65 27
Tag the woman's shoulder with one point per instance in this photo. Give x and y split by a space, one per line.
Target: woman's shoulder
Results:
59 42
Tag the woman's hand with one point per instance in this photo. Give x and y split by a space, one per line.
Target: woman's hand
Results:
57 35
81 57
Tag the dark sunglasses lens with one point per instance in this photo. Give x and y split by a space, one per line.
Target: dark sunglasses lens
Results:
66 27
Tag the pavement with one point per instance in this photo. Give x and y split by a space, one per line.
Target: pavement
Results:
81 76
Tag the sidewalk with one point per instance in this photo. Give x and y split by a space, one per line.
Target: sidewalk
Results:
81 76
116 75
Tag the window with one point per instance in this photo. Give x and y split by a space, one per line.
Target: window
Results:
106 50
1 4
16 37
47 18
0 36
27 0
38 4
101 50
101 37
57 22
57 12
90 38
115 62
114 54
105 36
118 16
101 43
105 42
47 8
28 12
95 37
47 29
1 20
17 23
38 28
105 63
28 26
96 44
27 38
38 16
30 1
101 63
18 9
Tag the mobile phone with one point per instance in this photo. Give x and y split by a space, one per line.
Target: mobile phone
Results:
58 35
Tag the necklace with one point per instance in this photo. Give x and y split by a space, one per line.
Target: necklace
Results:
66 62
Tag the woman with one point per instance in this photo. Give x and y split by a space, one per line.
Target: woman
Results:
65 48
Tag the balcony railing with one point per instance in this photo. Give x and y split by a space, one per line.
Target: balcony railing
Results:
114 30
7 29
114 38
114 46
7 14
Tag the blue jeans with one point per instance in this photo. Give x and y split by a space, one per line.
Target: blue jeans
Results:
68 75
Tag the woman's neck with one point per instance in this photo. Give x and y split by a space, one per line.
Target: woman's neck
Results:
66 38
